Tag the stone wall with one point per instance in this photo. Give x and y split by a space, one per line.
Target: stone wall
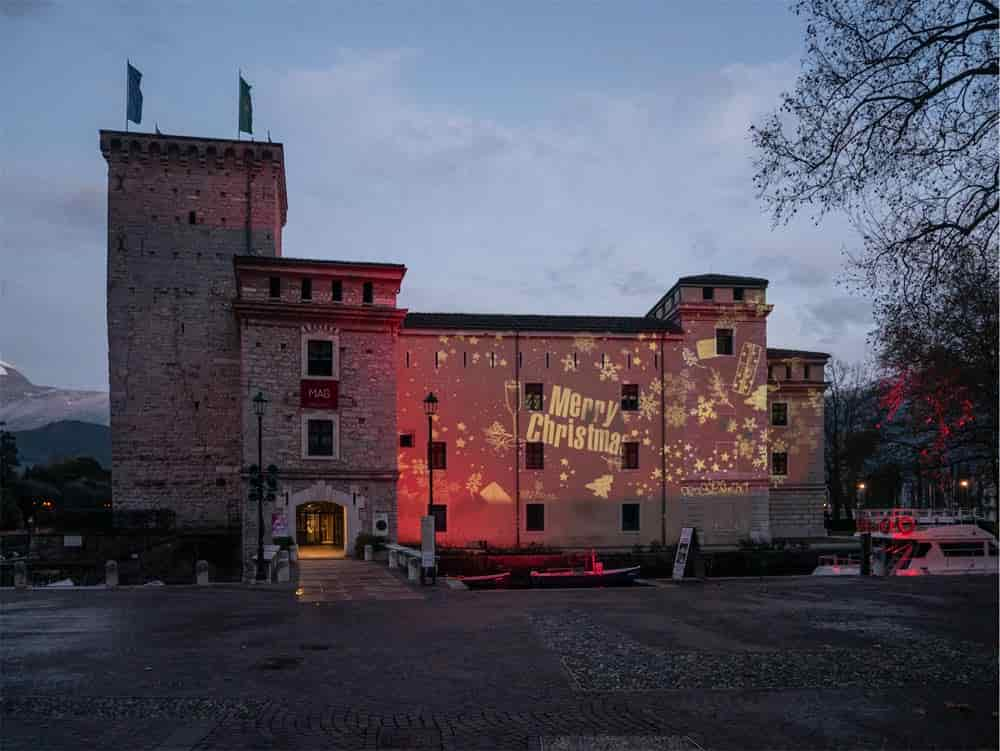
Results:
362 478
179 209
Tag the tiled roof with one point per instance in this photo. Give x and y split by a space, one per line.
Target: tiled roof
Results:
707 280
507 322
786 354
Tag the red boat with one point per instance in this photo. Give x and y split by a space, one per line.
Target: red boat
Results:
594 575
487 581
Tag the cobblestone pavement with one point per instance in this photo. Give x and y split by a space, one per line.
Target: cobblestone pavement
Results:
330 580
798 664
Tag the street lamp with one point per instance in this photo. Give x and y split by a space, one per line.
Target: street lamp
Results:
430 409
259 403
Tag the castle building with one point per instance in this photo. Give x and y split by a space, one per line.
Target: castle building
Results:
571 431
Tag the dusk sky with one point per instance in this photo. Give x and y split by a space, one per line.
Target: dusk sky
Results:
528 157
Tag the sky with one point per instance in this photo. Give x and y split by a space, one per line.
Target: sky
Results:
519 157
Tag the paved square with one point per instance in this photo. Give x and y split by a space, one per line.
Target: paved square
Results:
797 664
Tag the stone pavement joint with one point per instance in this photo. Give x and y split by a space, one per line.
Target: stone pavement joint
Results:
333 580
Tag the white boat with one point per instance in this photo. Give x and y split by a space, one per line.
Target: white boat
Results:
918 542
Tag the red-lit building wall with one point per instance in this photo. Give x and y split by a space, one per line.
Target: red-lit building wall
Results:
701 428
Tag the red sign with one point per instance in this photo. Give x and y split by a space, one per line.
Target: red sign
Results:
901 524
319 394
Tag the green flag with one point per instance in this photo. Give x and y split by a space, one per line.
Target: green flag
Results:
246 108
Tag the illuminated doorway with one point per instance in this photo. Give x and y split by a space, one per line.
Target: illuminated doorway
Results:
319 530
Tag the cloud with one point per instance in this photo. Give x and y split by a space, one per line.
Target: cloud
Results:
832 318
593 205
23 8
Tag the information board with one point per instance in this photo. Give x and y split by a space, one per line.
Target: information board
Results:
683 549
427 542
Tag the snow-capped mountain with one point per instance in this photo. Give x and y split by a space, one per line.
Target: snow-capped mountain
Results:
24 406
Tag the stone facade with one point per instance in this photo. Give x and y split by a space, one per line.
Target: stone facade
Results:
274 333
796 380
641 425
179 209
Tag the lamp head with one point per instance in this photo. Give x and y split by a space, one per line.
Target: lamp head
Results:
430 404
259 403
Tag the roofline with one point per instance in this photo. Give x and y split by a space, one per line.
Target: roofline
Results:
649 325
796 353
681 282
395 271
141 134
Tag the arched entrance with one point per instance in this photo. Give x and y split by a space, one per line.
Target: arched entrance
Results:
324 497
321 529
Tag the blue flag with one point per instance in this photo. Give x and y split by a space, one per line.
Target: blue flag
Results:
134 109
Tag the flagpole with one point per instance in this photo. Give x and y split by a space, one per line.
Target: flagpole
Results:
239 94
126 94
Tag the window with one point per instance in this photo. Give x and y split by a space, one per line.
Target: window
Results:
320 434
779 413
439 455
770 372
993 548
630 455
807 373
723 341
534 455
406 440
368 293
307 289
630 397
337 291
707 293
779 463
192 217
630 517
788 372
320 358
534 397
534 517
962 549
737 294
274 286
440 513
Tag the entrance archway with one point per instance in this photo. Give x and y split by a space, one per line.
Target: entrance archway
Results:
321 529
324 497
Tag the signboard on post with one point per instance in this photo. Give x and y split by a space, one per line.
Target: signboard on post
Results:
279 524
318 394
684 546
427 542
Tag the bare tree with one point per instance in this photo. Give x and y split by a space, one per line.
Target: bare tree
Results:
893 120
850 423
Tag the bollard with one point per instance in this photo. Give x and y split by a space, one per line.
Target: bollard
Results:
201 573
413 569
281 567
20 575
369 552
111 574
393 559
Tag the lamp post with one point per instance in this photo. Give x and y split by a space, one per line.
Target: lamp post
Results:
259 403
430 409
866 537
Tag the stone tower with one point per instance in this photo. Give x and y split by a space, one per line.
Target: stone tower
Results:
179 210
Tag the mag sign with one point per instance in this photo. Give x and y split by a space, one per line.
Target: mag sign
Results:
318 394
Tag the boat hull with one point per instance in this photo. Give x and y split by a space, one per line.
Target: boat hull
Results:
489 581
620 577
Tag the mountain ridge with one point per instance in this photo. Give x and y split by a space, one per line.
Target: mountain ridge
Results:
27 406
